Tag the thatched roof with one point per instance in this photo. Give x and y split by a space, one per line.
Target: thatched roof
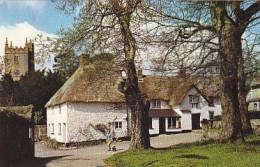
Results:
88 85
174 88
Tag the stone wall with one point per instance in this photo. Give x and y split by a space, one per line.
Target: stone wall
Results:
255 123
15 141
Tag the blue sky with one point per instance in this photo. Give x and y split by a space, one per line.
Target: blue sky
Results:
21 19
39 13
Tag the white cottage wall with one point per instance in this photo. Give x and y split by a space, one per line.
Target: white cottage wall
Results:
186 123
56 118
83 116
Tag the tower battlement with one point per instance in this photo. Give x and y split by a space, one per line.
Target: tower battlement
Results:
19 60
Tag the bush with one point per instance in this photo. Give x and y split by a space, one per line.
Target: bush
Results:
53 144
217 118
102 128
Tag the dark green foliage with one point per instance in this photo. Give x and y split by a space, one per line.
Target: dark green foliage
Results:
34 88
7 90
66 64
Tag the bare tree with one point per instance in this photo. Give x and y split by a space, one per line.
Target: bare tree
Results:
215 28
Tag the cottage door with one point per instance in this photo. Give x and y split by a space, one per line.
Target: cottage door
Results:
64 132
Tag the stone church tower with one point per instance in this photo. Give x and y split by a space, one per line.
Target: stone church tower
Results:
19 61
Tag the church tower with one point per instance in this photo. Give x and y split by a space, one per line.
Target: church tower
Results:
19 61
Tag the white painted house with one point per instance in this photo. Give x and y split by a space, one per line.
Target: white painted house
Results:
177 105
86 101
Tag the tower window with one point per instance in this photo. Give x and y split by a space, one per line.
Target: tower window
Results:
16 58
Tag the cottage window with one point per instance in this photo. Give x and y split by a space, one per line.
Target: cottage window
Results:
59 128
150 123
211 115
194 100
118 125
156 104
172 122
52 128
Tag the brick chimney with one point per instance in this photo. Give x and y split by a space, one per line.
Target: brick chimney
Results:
182 72
83 60
139 72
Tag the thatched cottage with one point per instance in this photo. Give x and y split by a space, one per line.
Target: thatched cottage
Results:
87 104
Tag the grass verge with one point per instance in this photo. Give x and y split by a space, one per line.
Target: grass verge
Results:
196 154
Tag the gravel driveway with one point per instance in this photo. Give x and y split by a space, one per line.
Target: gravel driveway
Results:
94 155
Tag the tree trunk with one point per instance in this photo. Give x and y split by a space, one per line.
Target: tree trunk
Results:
243 106
230 45
136 100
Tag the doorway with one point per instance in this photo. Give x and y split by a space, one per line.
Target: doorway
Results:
195 121
161 125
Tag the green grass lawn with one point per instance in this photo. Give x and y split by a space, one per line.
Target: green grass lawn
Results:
196 154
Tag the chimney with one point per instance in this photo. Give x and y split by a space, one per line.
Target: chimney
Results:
139 72
182 72
83 60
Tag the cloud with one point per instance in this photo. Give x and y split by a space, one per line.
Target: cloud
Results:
33 4
18 34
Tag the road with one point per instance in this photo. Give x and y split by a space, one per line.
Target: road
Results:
94 155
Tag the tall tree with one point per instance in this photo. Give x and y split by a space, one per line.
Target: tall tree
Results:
66 64
106 26
223 24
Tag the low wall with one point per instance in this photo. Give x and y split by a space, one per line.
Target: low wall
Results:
15 141
255 123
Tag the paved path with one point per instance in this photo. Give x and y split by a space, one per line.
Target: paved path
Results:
94 155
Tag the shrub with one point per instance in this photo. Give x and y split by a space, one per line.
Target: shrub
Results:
217 118
53 143
102 128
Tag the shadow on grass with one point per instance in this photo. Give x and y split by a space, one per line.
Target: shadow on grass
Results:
192 156
150 163
39 162
255 142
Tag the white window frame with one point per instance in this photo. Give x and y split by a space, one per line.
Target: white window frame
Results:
194 101
118 125
156 104
171 121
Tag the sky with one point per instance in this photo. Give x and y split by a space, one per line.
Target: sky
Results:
27 18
